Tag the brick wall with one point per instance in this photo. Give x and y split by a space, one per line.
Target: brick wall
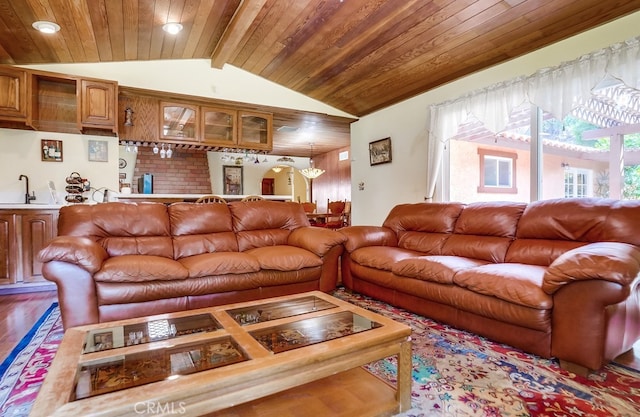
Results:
187 171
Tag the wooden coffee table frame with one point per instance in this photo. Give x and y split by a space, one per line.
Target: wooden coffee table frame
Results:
208 391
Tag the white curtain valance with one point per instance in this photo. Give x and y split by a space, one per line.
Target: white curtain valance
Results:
554 89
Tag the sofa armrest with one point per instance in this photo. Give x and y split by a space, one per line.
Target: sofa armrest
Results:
80 251
361 236
610 261
315 239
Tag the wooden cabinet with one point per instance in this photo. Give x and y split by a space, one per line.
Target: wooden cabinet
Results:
13 94
180 122
219 126
40 100
216 126
255 130
8 249
22 234
237 128
98 103
38 227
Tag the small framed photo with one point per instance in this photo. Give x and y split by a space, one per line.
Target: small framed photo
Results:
232 179
103 340
380 151
99 151
51 150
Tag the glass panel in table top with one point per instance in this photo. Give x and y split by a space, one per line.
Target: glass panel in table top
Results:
131 370
306 332
277 310
148 331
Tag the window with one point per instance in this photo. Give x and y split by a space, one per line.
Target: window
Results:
578 183
497 171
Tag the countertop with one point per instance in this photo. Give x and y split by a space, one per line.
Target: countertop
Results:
32 206
196 196
190 197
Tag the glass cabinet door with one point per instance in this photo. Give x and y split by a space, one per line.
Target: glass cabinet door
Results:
179 121
255 130
219 126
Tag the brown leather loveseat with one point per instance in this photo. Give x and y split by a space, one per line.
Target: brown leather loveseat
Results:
121 260
557 278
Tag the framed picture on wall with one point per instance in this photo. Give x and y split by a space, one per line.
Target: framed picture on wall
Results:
99 151
232 179
51 150
380 151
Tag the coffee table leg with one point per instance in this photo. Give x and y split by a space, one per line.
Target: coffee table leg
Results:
404 375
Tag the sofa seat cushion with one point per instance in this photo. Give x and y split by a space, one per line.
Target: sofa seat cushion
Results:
160 291
140 268
284 258
439 269
219 263
382 257
517 283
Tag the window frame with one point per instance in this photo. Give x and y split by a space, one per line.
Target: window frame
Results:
482 187
576 185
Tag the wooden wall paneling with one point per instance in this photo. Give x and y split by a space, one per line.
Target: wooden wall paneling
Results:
335 183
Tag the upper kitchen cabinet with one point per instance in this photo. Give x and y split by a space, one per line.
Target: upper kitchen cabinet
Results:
13 94
255 130
98 103
40 100
179 122
219 126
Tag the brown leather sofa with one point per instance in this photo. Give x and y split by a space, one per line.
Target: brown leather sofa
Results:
121 260
557 278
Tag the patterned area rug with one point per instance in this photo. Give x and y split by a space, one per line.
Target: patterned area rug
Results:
23 371
455 373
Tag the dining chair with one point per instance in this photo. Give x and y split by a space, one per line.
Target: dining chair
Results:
211 199
346 214
309 207
253 198
336 218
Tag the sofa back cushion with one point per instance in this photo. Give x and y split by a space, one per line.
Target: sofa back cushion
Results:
484 231
549 228
201 228
121 228
265 223
423 227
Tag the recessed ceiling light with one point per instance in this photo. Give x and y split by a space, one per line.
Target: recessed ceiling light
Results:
172 28
46 27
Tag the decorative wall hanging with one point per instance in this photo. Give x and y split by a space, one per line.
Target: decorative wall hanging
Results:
232 179
99 151
380 151
51 150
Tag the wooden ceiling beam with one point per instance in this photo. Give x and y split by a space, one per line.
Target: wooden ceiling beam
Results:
235 32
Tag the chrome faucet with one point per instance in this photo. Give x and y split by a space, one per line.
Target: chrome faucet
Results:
27 197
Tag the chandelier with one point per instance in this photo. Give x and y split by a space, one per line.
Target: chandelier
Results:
311 172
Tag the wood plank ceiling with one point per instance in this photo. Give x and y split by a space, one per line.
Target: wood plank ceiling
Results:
356 55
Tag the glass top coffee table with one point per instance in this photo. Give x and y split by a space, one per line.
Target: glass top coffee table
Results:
201 361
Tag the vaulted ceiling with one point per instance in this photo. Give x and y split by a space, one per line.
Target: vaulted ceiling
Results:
356 55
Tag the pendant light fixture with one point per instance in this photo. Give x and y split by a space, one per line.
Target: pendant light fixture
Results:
311 172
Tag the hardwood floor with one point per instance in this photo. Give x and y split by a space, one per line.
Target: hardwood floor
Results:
19 312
